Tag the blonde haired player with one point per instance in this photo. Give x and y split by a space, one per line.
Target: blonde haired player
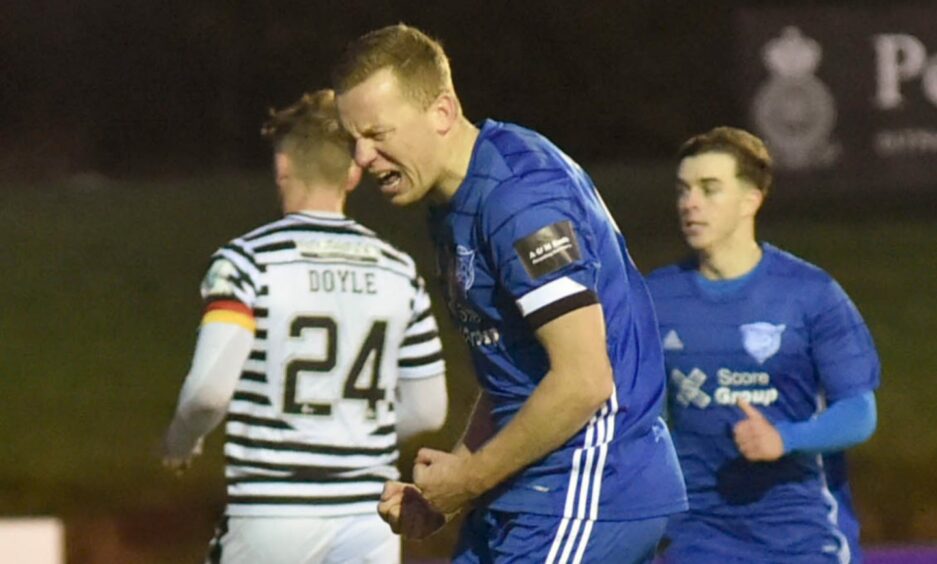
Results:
319 348
565 458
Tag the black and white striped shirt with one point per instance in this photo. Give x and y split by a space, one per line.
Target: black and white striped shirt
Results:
340 316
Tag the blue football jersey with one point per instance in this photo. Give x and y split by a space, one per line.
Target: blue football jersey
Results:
787 339
526 239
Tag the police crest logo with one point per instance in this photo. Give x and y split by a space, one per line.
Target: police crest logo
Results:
793 109
761 340
465 267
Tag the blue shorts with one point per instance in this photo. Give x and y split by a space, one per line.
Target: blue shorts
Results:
489 536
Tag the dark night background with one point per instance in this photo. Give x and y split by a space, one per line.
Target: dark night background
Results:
130 150
143 87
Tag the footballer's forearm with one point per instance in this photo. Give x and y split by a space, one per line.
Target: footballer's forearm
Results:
579 381
554 412
421 405
220 353
845 423
181 439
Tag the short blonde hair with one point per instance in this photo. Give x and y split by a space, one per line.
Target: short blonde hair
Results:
752 159
311 135
416 60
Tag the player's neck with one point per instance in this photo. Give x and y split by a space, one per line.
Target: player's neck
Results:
458 153
729 260
327 200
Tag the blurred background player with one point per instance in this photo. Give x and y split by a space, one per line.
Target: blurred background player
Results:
318 343
769 364
565 457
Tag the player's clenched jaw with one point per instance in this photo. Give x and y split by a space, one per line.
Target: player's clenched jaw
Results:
396 141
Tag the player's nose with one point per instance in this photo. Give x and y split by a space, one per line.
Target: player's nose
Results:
365 153
689 199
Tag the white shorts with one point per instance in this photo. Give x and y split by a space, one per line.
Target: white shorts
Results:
362 539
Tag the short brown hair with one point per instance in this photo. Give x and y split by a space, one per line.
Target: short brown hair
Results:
416 60
311 135
753 162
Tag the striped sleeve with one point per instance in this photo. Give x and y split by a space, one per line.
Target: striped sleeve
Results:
421 350
230 287
232 275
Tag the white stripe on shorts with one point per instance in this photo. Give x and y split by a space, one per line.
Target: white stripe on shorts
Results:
580 506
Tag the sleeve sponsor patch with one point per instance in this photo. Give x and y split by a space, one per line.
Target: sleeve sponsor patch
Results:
220 279
549 249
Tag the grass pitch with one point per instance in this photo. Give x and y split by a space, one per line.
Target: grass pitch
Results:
100 288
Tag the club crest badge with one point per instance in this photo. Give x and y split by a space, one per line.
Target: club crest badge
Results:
465 267
761 340
793 110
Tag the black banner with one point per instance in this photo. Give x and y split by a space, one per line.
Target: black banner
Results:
844 97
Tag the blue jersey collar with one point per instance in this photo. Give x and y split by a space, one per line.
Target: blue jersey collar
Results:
466 199
730 288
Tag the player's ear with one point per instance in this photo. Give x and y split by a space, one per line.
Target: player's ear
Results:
752 199
354 176
445 111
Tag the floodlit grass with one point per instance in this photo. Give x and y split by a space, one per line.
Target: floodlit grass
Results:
100 288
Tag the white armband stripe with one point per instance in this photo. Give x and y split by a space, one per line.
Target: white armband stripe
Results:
547 294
